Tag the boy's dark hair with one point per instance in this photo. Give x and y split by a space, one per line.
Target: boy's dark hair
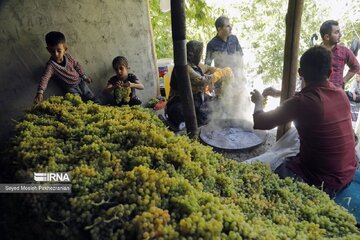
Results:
194 50
326 27
315 64
120 61
54 38
220 21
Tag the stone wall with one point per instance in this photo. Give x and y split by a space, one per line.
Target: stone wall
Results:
96 31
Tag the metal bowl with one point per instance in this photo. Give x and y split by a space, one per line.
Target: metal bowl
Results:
232 135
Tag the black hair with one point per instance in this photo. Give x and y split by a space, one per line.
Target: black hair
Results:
315 64
53 38
194 50
220 22
120 61
326 27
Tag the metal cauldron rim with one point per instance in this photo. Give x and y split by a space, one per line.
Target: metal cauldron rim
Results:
231 123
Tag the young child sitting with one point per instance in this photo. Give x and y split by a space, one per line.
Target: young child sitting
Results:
64 67
123 84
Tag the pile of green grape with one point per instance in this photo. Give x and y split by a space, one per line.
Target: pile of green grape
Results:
265 100
122 94
134 179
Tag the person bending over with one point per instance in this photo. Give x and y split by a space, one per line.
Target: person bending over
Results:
65 68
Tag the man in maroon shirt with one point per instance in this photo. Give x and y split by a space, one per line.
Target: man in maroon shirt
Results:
321 114
330 34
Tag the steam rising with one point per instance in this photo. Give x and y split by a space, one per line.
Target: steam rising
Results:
234 102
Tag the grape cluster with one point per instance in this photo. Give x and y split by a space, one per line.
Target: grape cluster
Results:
134 179
122 94
265 100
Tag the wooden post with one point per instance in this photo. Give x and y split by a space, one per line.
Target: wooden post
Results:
180 69
293 24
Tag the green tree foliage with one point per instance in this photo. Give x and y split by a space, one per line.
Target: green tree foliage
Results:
351 23
263 29
200 20
260 27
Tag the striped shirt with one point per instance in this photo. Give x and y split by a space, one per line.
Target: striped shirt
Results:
340 56
71 73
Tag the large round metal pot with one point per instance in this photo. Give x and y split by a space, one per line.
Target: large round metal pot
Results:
231 134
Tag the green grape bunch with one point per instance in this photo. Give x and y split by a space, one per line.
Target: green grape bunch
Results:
132 178
265 100
122 94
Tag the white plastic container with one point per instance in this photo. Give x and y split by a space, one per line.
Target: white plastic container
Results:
165 5
165 66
